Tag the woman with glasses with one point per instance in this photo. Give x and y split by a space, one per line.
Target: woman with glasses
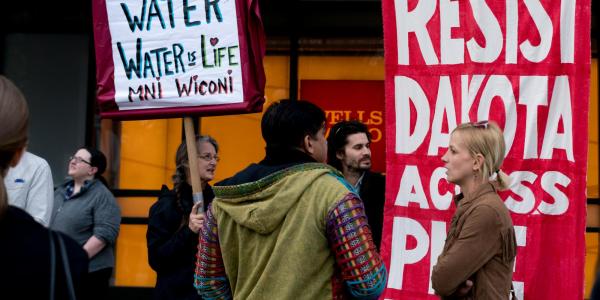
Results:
85 209
174 222
479 253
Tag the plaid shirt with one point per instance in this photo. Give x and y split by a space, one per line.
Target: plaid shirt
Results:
70 189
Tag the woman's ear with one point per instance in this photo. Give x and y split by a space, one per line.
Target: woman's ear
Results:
478 161
93 170
17 157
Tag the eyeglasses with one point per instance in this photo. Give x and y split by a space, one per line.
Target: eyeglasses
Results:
79 160
208 157
481 124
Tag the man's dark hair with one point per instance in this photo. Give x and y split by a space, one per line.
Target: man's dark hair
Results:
338 138
285 123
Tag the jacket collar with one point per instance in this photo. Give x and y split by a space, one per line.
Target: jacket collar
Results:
69 185
460 200
263 205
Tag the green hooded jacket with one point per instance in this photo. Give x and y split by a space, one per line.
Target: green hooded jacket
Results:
272 233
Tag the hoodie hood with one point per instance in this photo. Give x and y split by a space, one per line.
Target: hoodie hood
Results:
263 204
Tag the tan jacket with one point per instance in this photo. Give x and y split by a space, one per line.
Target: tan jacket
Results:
480 246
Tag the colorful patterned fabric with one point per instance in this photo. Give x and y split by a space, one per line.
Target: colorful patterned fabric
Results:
210 279
350 238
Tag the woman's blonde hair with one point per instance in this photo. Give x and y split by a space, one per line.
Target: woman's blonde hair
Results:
14 120
486 138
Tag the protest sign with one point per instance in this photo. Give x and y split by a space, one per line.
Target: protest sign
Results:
523 64
168 58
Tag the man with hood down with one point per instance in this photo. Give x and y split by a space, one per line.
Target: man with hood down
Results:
289 227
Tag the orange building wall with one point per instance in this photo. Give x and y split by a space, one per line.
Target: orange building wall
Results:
147 161
593 211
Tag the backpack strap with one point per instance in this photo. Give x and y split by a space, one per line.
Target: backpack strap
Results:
66 267
52 265
65 264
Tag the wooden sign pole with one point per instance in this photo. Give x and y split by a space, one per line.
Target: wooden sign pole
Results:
190 138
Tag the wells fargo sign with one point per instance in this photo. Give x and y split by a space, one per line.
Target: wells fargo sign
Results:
361 100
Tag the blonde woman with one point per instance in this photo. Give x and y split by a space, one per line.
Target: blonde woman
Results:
478 256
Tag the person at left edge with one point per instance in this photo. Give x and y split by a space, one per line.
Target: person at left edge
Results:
26 252
174 223
86 210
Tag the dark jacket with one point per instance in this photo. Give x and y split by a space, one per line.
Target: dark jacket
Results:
172 246
25 259
372 193
276 159
480 246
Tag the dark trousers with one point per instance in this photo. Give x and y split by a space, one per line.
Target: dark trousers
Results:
97 283
596 289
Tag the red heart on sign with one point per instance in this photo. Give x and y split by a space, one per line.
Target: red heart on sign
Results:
214 41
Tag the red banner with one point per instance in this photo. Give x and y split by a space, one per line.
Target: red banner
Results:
361 100
160 59
523 64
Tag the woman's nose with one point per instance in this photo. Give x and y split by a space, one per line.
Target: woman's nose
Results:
444 157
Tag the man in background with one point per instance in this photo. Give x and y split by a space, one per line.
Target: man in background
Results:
349 150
